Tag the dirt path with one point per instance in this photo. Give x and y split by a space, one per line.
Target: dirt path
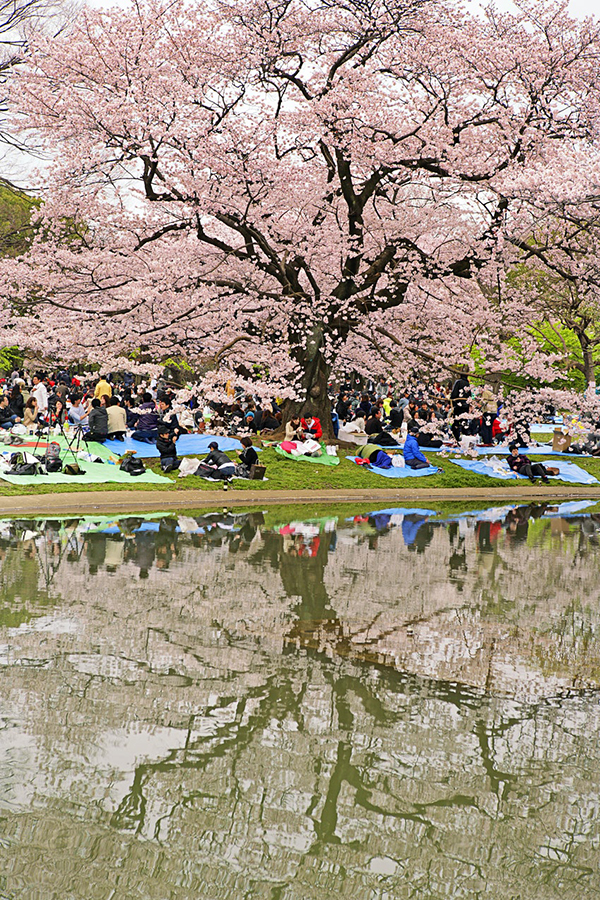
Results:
107 502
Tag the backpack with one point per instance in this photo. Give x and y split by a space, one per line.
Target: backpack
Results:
132 466
26 468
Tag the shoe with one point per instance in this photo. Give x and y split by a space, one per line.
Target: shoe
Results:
532 479
545 479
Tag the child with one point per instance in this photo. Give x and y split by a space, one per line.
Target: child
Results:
165 444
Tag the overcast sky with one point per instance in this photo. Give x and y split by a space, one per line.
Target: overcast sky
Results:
584 7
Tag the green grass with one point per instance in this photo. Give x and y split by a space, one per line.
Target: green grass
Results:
286 475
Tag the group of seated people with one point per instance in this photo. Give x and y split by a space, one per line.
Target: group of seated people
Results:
413 456
217 465
431 413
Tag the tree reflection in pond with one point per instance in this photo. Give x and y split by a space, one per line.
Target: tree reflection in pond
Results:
396 704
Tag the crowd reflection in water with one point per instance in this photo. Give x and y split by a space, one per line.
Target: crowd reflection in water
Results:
155 542
308 705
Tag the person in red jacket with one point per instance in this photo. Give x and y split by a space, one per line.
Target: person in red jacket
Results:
312 426
497 430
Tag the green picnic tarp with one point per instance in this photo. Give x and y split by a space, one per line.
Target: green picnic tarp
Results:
324 460
95 473
30 443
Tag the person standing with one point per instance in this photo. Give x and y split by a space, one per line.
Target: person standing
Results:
40 394
461 392
489 411
102 389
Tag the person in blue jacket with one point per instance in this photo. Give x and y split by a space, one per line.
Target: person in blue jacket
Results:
412 452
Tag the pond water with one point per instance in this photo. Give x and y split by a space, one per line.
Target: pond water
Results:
292 704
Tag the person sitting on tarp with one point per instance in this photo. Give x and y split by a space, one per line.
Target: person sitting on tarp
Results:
165 444
7 417
117 419
374 428
216 465
249 422
424 438
98 422
78 413
376 456
269 421
396 417
521 464
146 420
412 454
312 427
294 430
30 415
499 430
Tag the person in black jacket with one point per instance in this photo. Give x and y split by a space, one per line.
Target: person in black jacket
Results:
396 417
7 416
165 444
98 422
374 428
17 402
216 465
343 407
461 392
248 458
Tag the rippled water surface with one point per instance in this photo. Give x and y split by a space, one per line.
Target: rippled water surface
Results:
291 705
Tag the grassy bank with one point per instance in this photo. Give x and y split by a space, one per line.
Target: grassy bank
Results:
286 475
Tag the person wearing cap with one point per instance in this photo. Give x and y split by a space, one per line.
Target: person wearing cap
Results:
250 421
216 465
412 452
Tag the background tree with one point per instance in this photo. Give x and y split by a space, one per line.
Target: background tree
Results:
557 277
276 190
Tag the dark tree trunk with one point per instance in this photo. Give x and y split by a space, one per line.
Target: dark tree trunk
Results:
588 366
314 382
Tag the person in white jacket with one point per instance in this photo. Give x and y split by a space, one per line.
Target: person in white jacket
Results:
40 393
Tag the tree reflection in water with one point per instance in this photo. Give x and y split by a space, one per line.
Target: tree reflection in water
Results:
389 704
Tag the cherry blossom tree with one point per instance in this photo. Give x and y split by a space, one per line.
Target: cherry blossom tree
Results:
278 191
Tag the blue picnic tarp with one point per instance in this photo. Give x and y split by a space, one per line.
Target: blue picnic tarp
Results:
569 472
397 471
187 445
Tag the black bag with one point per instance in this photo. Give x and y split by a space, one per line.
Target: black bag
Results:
26 468
53 464
132 466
